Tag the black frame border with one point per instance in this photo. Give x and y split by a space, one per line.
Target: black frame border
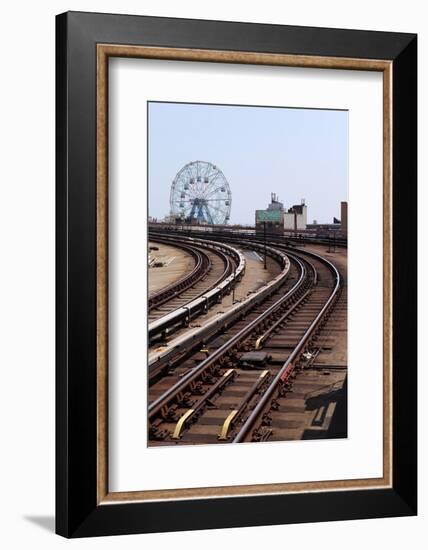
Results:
77 512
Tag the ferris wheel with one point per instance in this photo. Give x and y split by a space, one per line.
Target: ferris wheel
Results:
200 191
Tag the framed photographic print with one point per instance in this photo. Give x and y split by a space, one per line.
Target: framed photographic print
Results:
236 274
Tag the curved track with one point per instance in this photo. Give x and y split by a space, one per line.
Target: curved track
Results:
218 269
176 288
292 346
210 396
166 359
211 268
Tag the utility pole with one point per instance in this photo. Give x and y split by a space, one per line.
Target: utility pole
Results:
264 235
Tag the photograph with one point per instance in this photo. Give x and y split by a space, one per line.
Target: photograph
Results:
247 315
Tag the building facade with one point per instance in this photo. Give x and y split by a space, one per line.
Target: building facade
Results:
295 219
276 219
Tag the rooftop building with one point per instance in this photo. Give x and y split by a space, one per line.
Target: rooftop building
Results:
275 218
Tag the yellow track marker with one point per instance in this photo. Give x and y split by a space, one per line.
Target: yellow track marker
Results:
180 424
259 343
222 436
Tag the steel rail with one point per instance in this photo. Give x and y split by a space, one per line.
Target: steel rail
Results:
174 289
285 371
194 410
303 237
190 341
156 406
225 273
183 314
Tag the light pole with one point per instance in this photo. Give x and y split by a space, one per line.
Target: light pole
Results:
234 285
264 238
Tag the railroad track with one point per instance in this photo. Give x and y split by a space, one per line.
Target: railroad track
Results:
211 268
218 267
229 232
230 390
293 345
164 359
202 265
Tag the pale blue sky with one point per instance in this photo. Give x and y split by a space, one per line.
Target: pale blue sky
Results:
296 153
